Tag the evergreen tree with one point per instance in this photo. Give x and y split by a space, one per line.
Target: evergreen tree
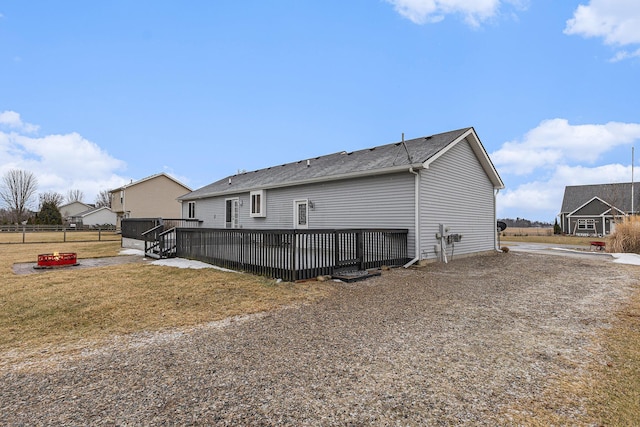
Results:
49 214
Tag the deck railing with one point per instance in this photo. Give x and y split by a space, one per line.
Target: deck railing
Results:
293 254
135 228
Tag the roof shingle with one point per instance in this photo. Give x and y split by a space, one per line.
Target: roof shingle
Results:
342 164
617 195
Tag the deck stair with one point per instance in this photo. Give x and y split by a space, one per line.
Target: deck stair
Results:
160 243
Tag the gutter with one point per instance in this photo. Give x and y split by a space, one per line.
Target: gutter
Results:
417 218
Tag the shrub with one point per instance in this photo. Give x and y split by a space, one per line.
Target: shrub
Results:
625 238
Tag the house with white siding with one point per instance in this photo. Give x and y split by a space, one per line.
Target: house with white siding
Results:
73 208
94 217
439 183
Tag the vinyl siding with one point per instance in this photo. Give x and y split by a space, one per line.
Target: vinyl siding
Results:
384 201
595 207
154 198
456 191
73 208
100 217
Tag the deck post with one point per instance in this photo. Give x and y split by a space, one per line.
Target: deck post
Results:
360 249
294 238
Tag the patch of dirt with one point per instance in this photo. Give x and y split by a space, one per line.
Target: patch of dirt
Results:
470 342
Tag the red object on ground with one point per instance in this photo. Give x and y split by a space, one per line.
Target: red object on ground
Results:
57 259
599 245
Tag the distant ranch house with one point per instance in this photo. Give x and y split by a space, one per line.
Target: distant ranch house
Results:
443 183
592 210
70 209
94 217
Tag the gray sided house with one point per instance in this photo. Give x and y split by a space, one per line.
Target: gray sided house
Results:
416 185
593 209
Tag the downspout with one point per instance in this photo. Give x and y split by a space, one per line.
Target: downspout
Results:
495 221
417 218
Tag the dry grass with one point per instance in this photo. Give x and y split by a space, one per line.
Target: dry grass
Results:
557 239
62 307
59 309
607 388
616 394
528 231
625 238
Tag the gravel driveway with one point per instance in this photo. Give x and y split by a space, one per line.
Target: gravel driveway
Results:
467 342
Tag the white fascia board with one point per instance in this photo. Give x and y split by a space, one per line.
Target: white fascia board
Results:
481 155
589 201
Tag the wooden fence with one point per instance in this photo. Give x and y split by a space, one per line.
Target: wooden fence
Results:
55 234
293 254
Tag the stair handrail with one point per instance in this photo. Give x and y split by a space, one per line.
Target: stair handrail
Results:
144 233
150 244
163 251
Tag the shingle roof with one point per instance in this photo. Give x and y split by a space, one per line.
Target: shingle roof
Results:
380 159
617 195
89 211
140 181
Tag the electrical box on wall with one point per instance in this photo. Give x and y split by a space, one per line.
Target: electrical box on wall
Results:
454 238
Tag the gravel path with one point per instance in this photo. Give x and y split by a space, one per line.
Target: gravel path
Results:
448 344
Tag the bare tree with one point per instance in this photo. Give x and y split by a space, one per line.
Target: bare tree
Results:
51 197
74 196
103 199
17 191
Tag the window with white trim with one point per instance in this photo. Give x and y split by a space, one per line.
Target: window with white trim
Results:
258 204
586 224
191 207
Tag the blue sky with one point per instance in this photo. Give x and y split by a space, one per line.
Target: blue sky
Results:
95 94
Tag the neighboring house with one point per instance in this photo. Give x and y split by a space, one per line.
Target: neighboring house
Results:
95 217
151 197
416 185
594 209
73 208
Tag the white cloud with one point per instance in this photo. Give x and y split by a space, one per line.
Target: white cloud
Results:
12 120
428 11
556 142
558 154
624 54
616 21
542 200
60 162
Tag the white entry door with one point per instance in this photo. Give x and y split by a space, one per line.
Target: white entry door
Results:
301 214
231 213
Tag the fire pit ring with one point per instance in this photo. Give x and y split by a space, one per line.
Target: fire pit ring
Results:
57 259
